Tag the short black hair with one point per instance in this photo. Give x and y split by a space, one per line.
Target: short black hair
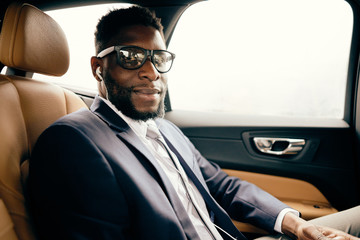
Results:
117 19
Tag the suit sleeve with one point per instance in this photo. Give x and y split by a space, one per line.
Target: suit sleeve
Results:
243 201
71 186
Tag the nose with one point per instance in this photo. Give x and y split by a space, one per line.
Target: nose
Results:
148 71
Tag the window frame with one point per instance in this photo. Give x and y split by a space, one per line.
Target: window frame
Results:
353 66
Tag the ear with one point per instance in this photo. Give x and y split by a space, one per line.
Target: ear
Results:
95 64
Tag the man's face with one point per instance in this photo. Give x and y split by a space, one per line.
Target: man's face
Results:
139 94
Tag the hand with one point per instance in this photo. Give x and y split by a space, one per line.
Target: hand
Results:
308 231
300 229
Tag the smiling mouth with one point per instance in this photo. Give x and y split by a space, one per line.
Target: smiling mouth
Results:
148 91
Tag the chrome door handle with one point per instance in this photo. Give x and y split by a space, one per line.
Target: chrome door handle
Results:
279 146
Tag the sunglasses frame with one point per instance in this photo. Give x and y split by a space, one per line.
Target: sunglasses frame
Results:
148 53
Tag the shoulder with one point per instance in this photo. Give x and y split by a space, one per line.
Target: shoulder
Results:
80 123
174 134
167 126
82 119
81 115
170 130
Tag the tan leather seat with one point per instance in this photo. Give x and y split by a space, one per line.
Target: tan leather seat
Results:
30 41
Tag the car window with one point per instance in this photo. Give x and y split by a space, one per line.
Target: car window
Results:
279 57
80 35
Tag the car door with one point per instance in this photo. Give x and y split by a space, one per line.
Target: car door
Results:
287 139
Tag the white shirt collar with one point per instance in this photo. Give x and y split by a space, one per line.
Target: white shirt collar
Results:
138 126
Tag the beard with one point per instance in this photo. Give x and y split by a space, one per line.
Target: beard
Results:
121 98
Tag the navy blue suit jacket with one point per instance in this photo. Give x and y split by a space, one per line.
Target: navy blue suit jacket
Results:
91 177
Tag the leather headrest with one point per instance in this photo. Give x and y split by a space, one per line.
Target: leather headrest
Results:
32 41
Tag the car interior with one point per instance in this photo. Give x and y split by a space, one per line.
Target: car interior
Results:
313 166
29 106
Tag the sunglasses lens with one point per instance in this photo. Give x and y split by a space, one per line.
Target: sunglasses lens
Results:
134 57
131 58
162 60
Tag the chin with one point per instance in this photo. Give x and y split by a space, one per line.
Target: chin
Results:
147 110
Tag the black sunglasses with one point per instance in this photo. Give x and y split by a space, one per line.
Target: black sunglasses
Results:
133 57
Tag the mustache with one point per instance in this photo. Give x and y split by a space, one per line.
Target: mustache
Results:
160 88
139 87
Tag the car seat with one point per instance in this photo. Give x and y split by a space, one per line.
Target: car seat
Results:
30 42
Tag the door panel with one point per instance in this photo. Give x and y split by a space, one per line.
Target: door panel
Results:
298 194
327 160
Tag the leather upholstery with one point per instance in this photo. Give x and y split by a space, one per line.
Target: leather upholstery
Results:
6 225
31 41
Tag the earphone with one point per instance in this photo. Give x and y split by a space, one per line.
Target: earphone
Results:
98 72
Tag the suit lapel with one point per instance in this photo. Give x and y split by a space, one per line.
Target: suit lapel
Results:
130 137
122 129
180 211
188 158
223 219
126 134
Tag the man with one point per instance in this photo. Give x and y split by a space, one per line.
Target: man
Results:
120 171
